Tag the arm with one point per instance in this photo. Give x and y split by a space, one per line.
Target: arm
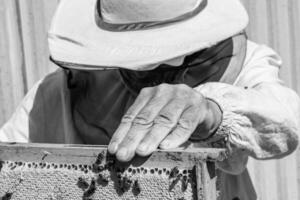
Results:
16 129
260 115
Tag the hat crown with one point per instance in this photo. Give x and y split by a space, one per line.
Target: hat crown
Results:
135 11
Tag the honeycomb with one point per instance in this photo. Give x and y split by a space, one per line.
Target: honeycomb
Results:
94 176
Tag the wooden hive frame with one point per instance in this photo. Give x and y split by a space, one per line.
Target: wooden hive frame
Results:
198 161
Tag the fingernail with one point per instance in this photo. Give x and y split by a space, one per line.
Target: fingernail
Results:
122 154
143 148
113 147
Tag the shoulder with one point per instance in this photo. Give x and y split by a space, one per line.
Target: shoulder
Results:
53 81
46 90
260 52
16 129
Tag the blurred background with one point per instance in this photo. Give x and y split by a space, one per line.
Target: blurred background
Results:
24 59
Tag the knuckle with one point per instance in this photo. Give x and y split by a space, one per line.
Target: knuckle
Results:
130 138
196 101
142 121
186 124
143 118
155 101
198 96
183 92
153 140
186 95
127 118
175 105
163 89
164 119
145 91
164 86
179 134
190 97
183 87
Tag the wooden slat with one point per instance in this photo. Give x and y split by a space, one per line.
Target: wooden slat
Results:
86 154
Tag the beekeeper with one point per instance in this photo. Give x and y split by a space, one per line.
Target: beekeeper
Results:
138 75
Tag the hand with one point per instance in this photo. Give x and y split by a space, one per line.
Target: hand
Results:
164 116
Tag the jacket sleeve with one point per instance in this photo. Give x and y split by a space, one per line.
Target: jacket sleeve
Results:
260 115
16 129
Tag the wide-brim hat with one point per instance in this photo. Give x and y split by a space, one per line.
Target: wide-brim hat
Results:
134 34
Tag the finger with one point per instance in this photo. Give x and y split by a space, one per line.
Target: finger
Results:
153 107
164 123
140 126
187 124
127 119
126 149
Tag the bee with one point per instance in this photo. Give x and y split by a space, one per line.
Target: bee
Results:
1 165
174 172
82 184
110 161
96 168
103 179
7 196
99 158
13 167
136 189
125 184
46 153
184 183
174 182
90 191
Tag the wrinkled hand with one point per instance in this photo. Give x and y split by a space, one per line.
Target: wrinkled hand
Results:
164 116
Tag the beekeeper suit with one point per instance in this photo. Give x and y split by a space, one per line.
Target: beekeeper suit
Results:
141 75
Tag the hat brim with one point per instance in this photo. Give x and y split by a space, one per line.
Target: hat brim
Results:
75 37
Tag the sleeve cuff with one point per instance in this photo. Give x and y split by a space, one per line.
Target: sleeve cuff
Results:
230 124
